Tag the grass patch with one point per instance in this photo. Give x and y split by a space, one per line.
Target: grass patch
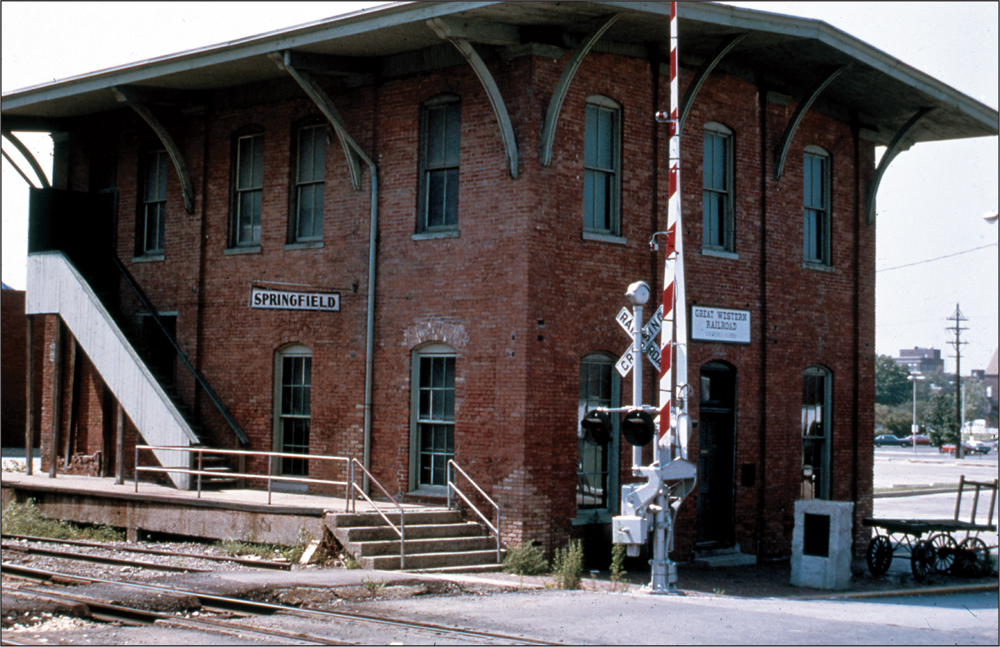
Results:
567 567
236 548
525 559
26 519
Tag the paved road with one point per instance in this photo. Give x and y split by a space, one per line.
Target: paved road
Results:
897 466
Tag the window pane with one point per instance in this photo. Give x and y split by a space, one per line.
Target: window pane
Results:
591 137
451 197
452 135
436 181
606 140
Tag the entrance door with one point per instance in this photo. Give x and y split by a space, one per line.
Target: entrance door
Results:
717 456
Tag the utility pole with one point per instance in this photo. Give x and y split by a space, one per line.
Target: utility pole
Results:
958 318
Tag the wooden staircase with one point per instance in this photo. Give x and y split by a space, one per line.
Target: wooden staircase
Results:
436 541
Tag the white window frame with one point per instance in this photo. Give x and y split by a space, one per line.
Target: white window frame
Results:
816 252
710 187
278 441
450 166
417 421
309 177
592 168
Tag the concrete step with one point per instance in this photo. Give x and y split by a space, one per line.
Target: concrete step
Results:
356 534
422 546
430 560
413 517
492 567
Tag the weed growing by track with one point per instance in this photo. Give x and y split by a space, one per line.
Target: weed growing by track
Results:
26 519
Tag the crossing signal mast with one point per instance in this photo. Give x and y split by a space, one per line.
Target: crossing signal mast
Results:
652 506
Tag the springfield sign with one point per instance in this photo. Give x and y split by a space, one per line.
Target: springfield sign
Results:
282 300
720 324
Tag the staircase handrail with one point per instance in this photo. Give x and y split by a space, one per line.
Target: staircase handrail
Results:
401 531
201 451
199 378
454 486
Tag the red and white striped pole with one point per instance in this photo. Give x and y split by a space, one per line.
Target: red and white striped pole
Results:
674 308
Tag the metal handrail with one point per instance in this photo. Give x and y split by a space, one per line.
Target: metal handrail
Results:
401 531
453 486
201 451
199 378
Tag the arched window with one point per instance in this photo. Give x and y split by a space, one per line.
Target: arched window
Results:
817 383
440 144
717 189
432 415
602 167
816 206
293 407
597 465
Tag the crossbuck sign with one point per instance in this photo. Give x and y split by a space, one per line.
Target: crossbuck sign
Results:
650 348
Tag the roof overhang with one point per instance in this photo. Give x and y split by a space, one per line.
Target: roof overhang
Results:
787 52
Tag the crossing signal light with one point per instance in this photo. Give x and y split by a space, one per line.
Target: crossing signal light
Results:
596 427
638 427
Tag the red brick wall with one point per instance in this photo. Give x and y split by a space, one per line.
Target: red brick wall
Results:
15 361
519 294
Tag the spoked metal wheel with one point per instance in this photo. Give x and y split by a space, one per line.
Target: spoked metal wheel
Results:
922 560
945 548
879 555
972 557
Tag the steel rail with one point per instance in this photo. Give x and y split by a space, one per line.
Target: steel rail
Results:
104 612
98 559
218 602
254 563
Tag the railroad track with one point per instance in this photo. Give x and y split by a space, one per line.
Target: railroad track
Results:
253 563
233 609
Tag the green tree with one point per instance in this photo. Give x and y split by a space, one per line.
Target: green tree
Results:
940 419
975 402
891 386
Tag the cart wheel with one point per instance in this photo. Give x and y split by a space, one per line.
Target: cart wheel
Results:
922 560
945 548
879 555
973 557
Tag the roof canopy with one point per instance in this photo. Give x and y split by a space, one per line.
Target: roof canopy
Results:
792 55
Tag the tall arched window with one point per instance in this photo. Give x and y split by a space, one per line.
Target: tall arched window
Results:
596 470
602 167
717 188
432 415
816 206
817 383
293 407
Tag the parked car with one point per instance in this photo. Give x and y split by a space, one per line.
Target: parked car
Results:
889 439
922 439
969 447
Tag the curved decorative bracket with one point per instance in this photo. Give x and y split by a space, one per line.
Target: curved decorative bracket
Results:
23 150
562 87
702 75
187 187
352 151
895 148
442 29
793 125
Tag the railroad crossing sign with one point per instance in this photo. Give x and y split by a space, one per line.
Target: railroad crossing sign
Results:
650 348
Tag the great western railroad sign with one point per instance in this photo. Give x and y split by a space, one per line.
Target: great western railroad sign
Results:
285 300
720 324
650 348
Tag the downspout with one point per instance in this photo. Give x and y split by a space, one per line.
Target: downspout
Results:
319 97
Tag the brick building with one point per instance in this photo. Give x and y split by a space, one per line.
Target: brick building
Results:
920 360
403 236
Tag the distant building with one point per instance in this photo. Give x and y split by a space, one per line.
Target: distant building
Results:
990 380
920 360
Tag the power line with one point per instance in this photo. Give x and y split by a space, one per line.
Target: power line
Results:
929 260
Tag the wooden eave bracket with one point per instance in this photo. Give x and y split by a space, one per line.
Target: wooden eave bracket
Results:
133 99
352 151
457 34
562 88
897 145
786 139
23 150
703 73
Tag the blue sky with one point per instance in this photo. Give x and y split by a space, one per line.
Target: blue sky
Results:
930 203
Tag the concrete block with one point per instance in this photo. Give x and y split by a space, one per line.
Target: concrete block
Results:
821 544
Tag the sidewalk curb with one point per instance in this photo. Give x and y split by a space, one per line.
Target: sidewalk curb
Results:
937 490
900 593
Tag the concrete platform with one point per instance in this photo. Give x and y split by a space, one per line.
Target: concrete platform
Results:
238 514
